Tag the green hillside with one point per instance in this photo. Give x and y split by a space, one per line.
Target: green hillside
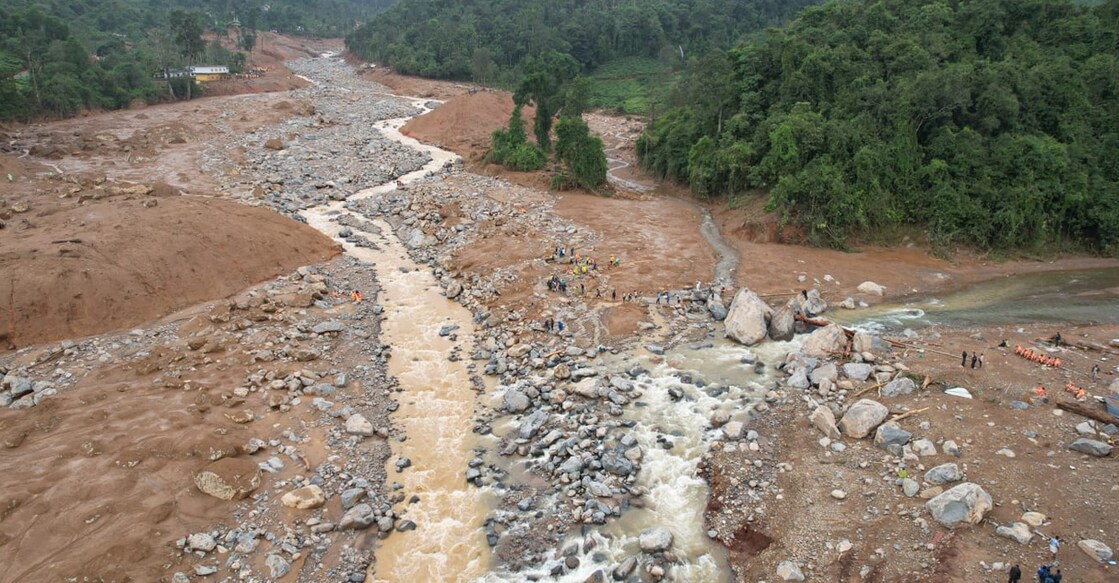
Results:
488 41
990 123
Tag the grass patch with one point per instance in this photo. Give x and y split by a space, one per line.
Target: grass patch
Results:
631 85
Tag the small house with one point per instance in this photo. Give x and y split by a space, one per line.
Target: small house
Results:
204 74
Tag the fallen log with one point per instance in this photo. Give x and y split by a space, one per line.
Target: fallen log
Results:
1096 414
821 323
907 415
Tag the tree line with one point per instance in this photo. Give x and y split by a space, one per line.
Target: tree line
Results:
488 41
58 57
992 123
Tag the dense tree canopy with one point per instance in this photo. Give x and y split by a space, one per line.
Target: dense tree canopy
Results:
60 56
488 39
993 123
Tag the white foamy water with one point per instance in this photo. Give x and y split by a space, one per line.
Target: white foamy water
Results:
676 497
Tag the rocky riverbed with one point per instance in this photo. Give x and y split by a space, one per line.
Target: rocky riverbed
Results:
724 438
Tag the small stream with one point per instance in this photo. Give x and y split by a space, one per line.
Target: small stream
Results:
436 405
1071 297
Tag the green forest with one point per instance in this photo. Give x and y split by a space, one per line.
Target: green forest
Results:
58 57
488 40
993 123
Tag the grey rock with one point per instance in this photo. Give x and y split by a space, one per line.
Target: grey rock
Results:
532 424
277 565
944 473
1018 531
891 434
782 325
1095 549
717 309
902 386
352 496
799 380
910 487
965 503
359 517
857 371
202 541
789 571
617 464
1091 447
828 372
515 401
19 386
624 569
655 540
328 326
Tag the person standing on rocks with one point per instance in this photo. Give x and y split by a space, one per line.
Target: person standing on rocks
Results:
1015 574
982 357
1095 372
559 326
963 361
974 359
614 297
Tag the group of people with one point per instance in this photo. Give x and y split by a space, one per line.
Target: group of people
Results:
1042 359
976 359
1045 574
557 284
553 325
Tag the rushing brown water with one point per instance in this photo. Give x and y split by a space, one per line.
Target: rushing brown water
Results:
436 404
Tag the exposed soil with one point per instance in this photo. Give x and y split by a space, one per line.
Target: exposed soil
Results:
893 536
71 270
466 122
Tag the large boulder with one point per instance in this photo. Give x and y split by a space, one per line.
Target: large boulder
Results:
965 503
782 326
825 341
1095 549
862 417
747 318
